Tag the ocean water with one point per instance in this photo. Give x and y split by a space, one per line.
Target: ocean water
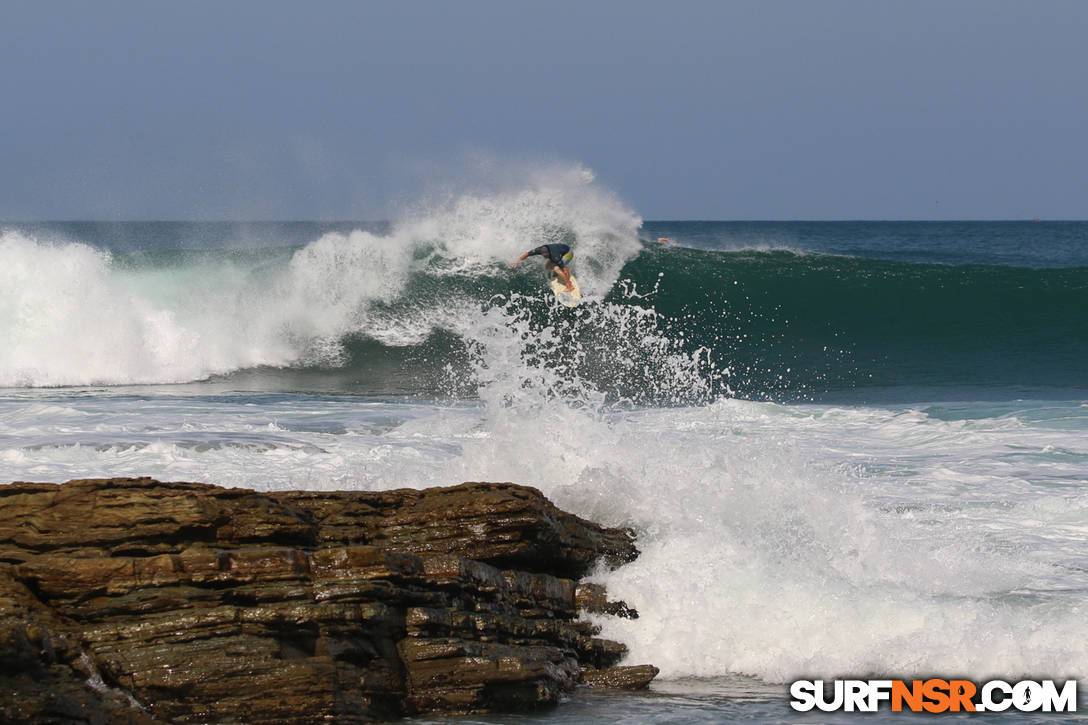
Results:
849 448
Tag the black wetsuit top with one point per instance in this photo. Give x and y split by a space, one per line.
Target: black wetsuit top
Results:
554 253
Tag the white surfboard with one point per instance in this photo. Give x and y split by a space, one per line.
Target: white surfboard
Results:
570 299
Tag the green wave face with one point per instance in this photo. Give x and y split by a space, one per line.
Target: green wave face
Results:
769 325
790 322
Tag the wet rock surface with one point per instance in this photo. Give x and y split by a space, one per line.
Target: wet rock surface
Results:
132 600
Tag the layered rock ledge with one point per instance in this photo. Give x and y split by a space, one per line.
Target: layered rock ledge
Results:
136 601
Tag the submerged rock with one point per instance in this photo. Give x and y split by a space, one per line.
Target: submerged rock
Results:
131 600
633 677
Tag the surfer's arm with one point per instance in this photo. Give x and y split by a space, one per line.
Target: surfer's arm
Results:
542 250
539 250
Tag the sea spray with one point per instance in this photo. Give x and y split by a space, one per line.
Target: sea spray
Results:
68 318
765 555
596 353
80 316
471 230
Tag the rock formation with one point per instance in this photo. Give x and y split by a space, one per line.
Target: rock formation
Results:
133 601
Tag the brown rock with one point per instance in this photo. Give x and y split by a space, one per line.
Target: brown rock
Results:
635 677
593 598
127 600
43 675
502 524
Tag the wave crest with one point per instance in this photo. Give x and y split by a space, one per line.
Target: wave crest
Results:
77 315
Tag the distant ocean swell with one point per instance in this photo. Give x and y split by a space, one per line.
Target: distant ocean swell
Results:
397 313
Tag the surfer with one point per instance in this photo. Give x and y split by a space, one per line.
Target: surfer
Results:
557 256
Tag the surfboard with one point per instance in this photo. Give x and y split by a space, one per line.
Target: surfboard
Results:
570 299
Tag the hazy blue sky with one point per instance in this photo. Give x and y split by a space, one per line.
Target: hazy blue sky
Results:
716 110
